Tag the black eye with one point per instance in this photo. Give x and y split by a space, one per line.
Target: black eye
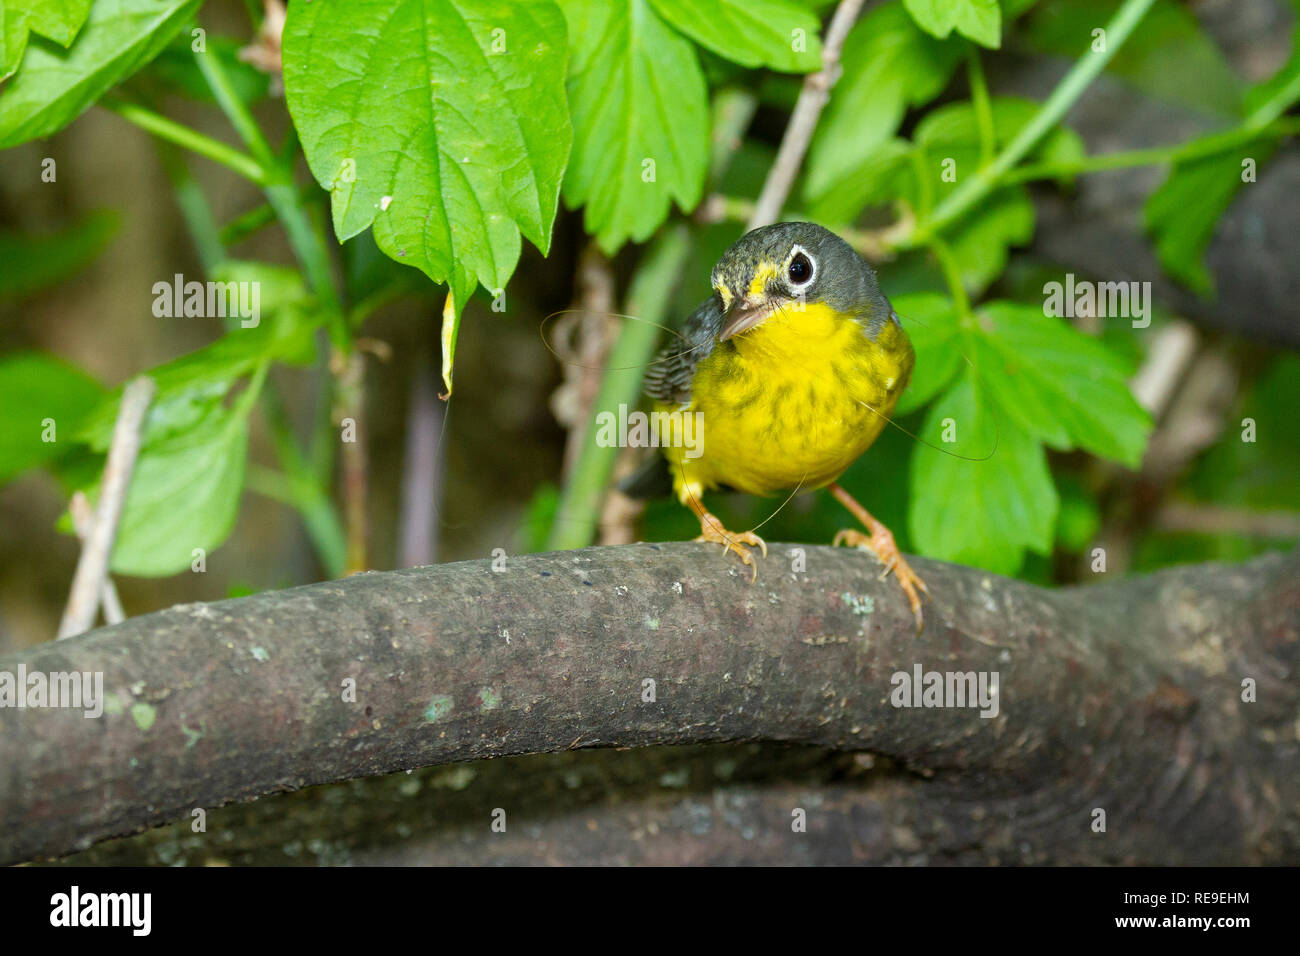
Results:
801 269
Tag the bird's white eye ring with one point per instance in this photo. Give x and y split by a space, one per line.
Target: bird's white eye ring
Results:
801 268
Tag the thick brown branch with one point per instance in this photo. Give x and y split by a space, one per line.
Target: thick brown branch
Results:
1124 696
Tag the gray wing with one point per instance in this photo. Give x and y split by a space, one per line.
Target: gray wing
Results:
669 376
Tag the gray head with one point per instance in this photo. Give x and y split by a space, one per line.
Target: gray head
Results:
773 266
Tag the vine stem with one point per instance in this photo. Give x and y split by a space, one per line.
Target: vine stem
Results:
979 95
191 139
306 240
1155 155
1070 88
952 275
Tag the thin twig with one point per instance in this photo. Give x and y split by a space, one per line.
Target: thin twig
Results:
874 245
1170 356
1215 519
803 121
422 467
92 565
349 410
582 338
83 519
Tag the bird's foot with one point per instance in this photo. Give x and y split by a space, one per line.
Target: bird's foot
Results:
882 545
711 529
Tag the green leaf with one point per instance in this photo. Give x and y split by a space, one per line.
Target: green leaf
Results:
879 177
1062 386
981 241
175 71
640 120
922 174
947 141
1261 472
42 397
56 85
955 124
931 323
278 287
1168 57
889 65
989 505
184 493
443 124
1079 518
981 20
1267 101
1182 213
750 32
29 263
59 20
190 386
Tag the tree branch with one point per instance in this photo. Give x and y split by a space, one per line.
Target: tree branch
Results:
1124 696
803 121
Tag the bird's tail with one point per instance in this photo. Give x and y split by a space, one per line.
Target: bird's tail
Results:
652 480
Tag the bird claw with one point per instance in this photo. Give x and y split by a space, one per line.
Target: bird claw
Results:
886 551
711 530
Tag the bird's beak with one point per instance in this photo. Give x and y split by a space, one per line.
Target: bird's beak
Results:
744 315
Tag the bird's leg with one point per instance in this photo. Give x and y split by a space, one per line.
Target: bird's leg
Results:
880 543
711 529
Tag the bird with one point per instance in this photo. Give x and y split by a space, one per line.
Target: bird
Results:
791 370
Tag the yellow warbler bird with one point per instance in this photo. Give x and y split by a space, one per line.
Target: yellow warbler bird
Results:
791 368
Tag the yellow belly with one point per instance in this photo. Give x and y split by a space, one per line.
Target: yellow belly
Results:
791 405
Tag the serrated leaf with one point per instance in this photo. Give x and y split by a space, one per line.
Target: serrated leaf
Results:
54 85
957 124
442 124
640 120
1260 473
184 495
981 241
188 387
989 505
175 71
36 389
1062 386
1267 101
981 20
29 263
931 323
874 180
57 20
947 149
1169 57
750 32
1078 518
889 65
1184 210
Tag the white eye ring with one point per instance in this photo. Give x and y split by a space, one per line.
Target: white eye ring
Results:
796 250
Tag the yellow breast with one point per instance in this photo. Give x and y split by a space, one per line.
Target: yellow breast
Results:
791 403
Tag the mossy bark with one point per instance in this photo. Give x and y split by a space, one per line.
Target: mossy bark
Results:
1125 697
